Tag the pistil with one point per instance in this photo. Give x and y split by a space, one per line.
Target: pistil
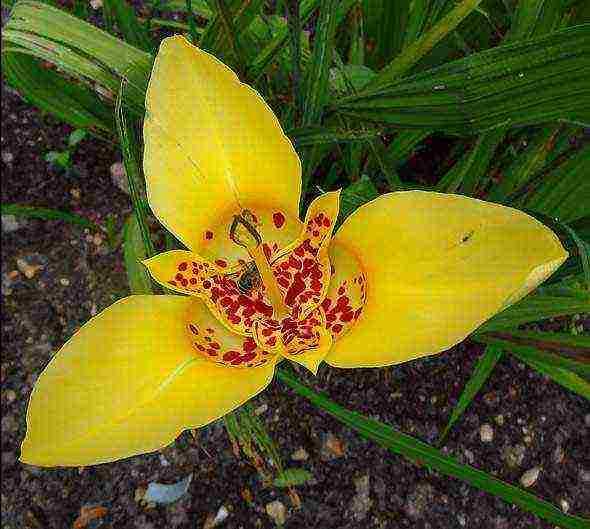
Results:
244 234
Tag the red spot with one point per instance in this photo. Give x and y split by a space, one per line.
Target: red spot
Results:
211 352
327 222
200 347
283 282
184 282
316 233
210 331
294 263
299 251
225 301
278 219
214 345
271 341
195 264
248 356
316 285
266 332
249 345
236 362
263 308
221 263
296 288
326 303
206 284
336 328
341 291
267 250
178 277
208 235
182 266
193 280
193 329
231 355
347 316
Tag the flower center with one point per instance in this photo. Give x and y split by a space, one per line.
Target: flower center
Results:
243 233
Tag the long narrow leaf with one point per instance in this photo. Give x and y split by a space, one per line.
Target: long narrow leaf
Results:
415 51
35 212
512 85
414 450
134 252
535 308
483 369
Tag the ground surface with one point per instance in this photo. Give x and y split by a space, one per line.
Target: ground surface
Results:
535 423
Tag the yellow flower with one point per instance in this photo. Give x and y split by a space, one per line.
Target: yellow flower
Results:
407 275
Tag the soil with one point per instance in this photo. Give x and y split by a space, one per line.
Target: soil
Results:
355 483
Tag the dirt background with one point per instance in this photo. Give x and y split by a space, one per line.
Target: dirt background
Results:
355 483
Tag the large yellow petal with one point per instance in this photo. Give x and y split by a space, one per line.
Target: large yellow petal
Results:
211 141
129 382
436 266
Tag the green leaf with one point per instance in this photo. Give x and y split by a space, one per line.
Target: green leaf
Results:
583 252
532 18
133 32
567 351
76 137
483 369
48 214
468 174
81 50
488 89
415 51
357 75
49 91
269 53
565 192
525 165
134 252
292 476
561 376
130 147
385 25
223 32
304 136
316 81
533 308
416 450
355 195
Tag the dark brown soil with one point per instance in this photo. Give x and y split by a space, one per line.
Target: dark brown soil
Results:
81 275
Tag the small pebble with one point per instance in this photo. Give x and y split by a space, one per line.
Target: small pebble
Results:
529 478
65 281
514 455
7 157
564 504
486 433
29 270
10 395
95 4
584 475
332 447
215 519
276 510
558 454
261 409
300 455
76 193
499 420
11 224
